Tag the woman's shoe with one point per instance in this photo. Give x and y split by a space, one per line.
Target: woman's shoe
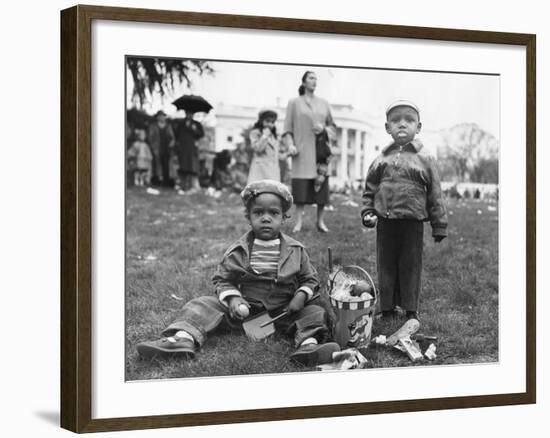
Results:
322 228
297 228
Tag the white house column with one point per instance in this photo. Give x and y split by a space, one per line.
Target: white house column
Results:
357 159
344 156
366 161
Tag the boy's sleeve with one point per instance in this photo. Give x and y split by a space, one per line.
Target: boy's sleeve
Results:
437 212
371 186
308 279
225 281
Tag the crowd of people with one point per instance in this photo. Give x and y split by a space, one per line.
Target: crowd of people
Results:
167 153
164 153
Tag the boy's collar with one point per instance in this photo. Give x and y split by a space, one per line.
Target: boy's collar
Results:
245 240
416 145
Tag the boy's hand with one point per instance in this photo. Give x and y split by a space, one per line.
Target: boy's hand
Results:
235 309
369 220
438 239
297 303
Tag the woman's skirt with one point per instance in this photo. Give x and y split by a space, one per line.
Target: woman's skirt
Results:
303 192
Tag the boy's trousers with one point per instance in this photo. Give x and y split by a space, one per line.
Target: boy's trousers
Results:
202 315
399 244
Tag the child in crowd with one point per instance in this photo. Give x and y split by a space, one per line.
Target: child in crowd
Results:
265 148
402 190
263 270
140 154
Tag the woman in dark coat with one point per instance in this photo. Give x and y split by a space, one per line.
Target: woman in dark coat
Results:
188 133
307 118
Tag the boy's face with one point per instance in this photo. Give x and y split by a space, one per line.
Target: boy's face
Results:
141 135
403 124
266 216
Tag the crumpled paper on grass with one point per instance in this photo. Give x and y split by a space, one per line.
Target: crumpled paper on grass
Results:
349 359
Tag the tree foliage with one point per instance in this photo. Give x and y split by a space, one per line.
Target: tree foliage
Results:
469 154
162 75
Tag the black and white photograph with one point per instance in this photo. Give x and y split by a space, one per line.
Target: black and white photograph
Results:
308 218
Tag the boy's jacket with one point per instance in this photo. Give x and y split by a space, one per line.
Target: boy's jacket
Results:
294 271
403 183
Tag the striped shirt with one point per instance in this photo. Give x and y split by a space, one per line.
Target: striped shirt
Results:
264 257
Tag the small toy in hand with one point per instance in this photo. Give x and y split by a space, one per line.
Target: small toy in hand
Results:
369 220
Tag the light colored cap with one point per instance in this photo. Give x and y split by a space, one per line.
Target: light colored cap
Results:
256 188
402 103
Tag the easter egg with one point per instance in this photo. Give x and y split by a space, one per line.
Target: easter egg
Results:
243 310
365 296
360 287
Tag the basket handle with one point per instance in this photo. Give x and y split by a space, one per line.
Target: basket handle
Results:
361 269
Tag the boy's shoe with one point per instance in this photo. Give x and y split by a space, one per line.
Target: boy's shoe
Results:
167 347
315 354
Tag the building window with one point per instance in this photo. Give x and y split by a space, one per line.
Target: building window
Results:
230 139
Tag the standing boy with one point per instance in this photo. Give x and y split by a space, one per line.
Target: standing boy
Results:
402 190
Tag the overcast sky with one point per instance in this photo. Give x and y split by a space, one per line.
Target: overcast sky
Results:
445 99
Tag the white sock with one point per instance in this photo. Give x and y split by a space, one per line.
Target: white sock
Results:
308 341
183 334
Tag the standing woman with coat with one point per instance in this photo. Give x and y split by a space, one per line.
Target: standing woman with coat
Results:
308 116
188 133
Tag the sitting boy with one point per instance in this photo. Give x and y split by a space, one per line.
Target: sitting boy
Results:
263 270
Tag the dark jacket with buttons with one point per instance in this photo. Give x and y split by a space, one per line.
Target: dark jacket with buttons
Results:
294 272
403 183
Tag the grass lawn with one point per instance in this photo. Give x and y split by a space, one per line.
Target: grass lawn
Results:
175 242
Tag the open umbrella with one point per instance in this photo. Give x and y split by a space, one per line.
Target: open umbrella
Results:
190 102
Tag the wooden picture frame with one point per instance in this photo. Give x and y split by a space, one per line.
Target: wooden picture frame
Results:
76 217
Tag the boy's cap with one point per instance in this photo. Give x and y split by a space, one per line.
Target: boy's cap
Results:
160 113
402 103
256 188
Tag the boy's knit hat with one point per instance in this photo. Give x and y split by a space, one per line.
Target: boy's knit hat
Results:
402 103
256 188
